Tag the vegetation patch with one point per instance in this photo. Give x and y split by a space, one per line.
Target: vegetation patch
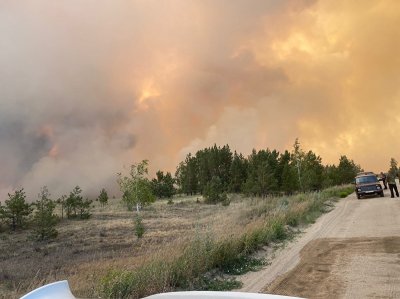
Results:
243 265
187 270
218 284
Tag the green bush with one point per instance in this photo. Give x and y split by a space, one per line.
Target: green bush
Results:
243 264
118 284
214 191
139 226
217 284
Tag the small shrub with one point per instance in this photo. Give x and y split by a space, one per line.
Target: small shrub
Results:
252 240
278 231
293 221
226 202
118 284
242 265
218 284
225 253
103 197
139 226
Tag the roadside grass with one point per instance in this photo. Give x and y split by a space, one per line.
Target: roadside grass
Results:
225 249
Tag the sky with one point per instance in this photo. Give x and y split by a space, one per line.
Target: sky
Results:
89 87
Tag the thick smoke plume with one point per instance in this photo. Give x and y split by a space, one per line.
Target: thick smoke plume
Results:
88 87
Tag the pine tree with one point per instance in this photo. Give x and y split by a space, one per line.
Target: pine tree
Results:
44 219
72 202
76 206
62 201
346 171
103 197
261 178
214 191
312 172
163 185
84 208
238 173
16 209
2 220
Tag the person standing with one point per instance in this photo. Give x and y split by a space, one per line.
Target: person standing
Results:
383 179
391 180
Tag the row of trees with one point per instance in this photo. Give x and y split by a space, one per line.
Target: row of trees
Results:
263 172
17 213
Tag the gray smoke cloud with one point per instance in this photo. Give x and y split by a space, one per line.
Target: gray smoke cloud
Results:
87 88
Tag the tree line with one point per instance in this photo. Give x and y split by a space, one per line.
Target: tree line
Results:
262 173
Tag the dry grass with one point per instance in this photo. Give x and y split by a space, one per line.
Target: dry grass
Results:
85 251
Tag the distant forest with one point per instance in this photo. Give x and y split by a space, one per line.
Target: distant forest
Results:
264 172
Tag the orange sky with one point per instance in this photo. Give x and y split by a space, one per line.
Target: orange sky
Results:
87 87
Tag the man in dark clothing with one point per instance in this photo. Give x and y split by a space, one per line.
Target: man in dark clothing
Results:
383 179
391 179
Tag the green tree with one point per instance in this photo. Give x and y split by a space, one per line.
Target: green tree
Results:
16 210
289 179
297 158
213 161
163 185
76 206
44 219
84 206
329 176
103 197
168 185
61 201
346 171
72 202
1 216
312 170
139 226
136 188
187 176
238 173
214 191
261 178
180 175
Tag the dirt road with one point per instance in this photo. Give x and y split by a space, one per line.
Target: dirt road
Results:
351 252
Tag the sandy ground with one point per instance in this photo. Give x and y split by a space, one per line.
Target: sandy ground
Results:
351 252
